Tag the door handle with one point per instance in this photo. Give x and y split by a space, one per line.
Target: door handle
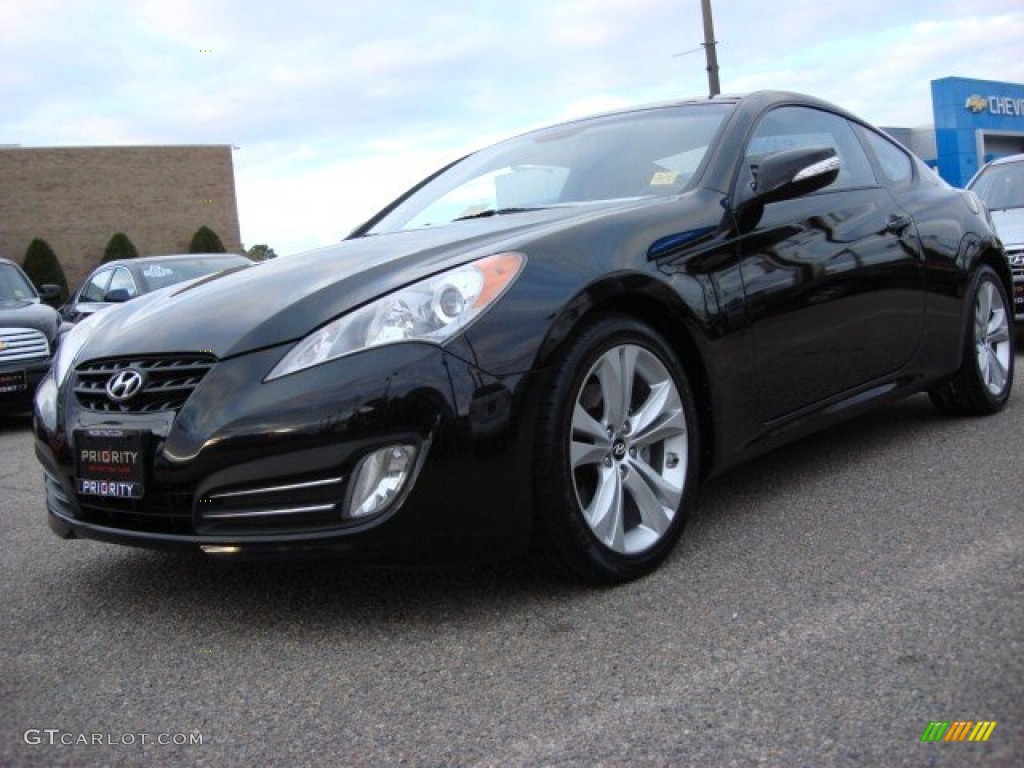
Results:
897 224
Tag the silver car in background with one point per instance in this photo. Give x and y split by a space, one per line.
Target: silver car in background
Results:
1000 185
124 279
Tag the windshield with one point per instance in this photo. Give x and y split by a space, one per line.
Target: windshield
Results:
1001 186
161 274
653 152
14 286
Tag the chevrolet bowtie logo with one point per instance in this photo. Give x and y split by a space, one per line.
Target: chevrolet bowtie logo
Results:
3 345
976 103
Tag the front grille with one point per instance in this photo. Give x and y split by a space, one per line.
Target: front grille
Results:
168 382
1016 258
164 510
17 344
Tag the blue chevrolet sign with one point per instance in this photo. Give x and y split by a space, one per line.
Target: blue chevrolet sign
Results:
975 121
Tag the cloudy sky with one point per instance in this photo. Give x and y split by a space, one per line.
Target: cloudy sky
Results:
336 106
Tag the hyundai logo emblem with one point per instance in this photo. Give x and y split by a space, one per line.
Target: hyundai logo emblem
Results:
124 385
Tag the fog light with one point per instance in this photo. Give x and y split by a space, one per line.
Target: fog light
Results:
379 479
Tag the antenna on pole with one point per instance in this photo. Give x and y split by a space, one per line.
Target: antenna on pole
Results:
709 49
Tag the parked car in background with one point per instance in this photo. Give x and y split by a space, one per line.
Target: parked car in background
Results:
1000 185
547 344
119 281
28 333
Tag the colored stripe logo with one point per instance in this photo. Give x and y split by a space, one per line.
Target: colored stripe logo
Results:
958 730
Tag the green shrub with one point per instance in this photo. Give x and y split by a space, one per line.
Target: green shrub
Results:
43 267
205 240
261 252
120 247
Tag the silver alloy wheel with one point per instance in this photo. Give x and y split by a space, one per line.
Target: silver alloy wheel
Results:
628 449
992 338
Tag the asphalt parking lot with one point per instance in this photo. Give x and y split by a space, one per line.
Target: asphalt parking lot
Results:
826 604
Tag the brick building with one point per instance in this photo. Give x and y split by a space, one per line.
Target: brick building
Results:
76 198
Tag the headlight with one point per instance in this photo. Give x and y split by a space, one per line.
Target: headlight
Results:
70 346
973 201
433 310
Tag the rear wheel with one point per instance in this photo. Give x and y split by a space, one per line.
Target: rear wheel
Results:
617 452
983 383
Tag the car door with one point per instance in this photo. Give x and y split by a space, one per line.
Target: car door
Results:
833 280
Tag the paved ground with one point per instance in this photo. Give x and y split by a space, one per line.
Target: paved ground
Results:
826 604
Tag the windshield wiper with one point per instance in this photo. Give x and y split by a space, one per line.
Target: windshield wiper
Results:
492 212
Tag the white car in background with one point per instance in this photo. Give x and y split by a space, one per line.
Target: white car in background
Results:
124 279
1000 185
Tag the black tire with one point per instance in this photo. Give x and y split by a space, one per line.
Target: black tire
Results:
642 475
983 383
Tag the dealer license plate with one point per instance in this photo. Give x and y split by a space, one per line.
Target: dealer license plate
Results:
110 462
12 381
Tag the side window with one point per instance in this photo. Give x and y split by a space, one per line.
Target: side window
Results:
123 280
801 127
897 168
97 287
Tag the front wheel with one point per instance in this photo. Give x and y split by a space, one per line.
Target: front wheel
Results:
617 452
983 383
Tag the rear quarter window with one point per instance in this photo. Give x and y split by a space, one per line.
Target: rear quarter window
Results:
893 162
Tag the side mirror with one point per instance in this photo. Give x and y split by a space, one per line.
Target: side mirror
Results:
793 173
117 296
50 292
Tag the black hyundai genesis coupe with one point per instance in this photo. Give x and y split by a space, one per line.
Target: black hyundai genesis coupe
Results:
545 345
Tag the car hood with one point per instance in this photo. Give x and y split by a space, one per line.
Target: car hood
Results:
1009 225
29 314
283 300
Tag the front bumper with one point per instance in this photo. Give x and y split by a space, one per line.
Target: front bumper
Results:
1018 298
1015 254
18 381
253 469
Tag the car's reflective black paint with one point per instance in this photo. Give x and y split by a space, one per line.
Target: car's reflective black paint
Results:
785 315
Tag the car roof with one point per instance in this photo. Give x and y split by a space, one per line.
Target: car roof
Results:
765 97
171 257
17 266
1008 159
626 110
681 102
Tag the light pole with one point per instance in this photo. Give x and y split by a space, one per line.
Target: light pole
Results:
709 49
